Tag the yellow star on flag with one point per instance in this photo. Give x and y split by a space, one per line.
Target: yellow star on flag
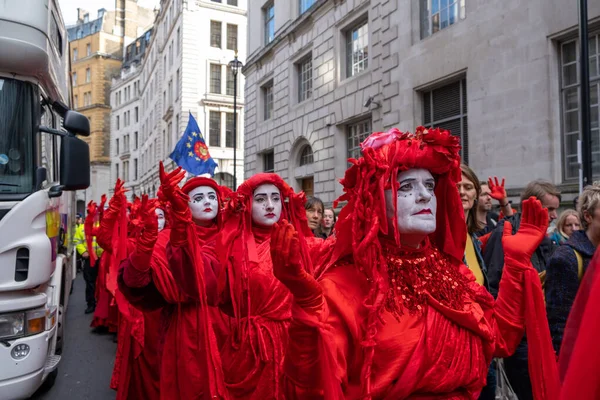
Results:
189 146
190 139
191 154
194 134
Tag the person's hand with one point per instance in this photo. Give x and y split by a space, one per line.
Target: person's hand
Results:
92 208
287 266
118 198
149 221
169 188
534 223
85 255
497 190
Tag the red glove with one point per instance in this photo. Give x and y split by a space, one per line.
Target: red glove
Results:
109 219
101 207
484 239
88 227
147 239
180 210
497 190
287 267
520 247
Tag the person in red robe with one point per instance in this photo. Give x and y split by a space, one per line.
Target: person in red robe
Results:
188 325
252 356
393 313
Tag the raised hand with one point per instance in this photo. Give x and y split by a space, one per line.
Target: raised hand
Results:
497 190
287 266
92 208
169 188
534 223
149 221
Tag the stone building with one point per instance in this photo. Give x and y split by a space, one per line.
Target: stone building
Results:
183 69
323 74
96 48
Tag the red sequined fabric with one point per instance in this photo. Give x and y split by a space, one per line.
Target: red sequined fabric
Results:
412 274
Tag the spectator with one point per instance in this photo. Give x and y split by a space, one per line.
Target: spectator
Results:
567 223
484 207
516 366
569 263
326 228
470 192
314 212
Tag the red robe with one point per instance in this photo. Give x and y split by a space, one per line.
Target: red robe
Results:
182 374
136 374
106 313
441 353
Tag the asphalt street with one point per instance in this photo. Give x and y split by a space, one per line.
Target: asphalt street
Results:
87 363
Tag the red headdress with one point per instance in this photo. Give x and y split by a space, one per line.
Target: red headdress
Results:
237 246
364 219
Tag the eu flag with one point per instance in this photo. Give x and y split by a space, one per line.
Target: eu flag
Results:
191 152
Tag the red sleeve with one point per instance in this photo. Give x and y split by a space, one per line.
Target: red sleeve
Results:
184 272
136 271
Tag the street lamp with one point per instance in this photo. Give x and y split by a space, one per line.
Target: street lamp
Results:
235 66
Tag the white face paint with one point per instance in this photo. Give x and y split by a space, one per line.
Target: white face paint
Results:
416 205
160 214
204 203
266 205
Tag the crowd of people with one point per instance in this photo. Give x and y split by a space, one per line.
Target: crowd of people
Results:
415 289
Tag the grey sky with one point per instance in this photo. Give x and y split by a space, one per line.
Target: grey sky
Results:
69 7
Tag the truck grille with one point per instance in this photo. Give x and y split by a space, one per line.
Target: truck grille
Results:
22 265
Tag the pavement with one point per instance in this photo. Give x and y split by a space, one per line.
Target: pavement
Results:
87 360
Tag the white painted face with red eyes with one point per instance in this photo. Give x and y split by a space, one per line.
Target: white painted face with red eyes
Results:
160 214
204 203
266 205
416 204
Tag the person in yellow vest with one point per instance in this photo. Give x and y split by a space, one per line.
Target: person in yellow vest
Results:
90 272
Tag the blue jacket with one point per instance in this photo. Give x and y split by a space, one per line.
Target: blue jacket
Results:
562 282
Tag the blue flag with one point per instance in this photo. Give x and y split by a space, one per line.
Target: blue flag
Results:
191 152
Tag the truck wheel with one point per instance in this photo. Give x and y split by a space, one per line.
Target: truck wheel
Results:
49 382
60 329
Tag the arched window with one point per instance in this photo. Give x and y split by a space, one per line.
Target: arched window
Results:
224 179
306 155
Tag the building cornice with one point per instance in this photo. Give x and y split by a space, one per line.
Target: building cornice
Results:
222 7
287 32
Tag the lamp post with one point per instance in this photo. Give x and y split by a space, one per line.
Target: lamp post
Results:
235 66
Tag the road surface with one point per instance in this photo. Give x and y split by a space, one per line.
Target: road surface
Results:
87 361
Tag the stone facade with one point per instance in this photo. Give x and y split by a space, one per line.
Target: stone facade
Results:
502 57
174 79
96 49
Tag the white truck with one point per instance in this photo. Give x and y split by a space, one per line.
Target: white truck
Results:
42 164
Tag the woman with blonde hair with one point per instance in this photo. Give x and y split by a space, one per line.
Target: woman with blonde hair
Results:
568 222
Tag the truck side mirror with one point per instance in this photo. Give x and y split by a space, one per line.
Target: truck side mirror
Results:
74 163
76 123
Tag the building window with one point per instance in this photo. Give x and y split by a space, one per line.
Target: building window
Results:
117 170
229 83
135 140
118 127
357 49
135 169
224 179
88 49
267 94
305 79
269 17
305 5
229 130
214 128
170 92
308 186
178 41
232 2
74 78
306 156
117 146
74 54
446 108
136 113
126 171
177 85
570 98
269 161
232 37
357 132
75 101
215 78
440 14
215 34
88 75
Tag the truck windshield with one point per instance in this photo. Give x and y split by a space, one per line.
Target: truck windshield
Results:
19 120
